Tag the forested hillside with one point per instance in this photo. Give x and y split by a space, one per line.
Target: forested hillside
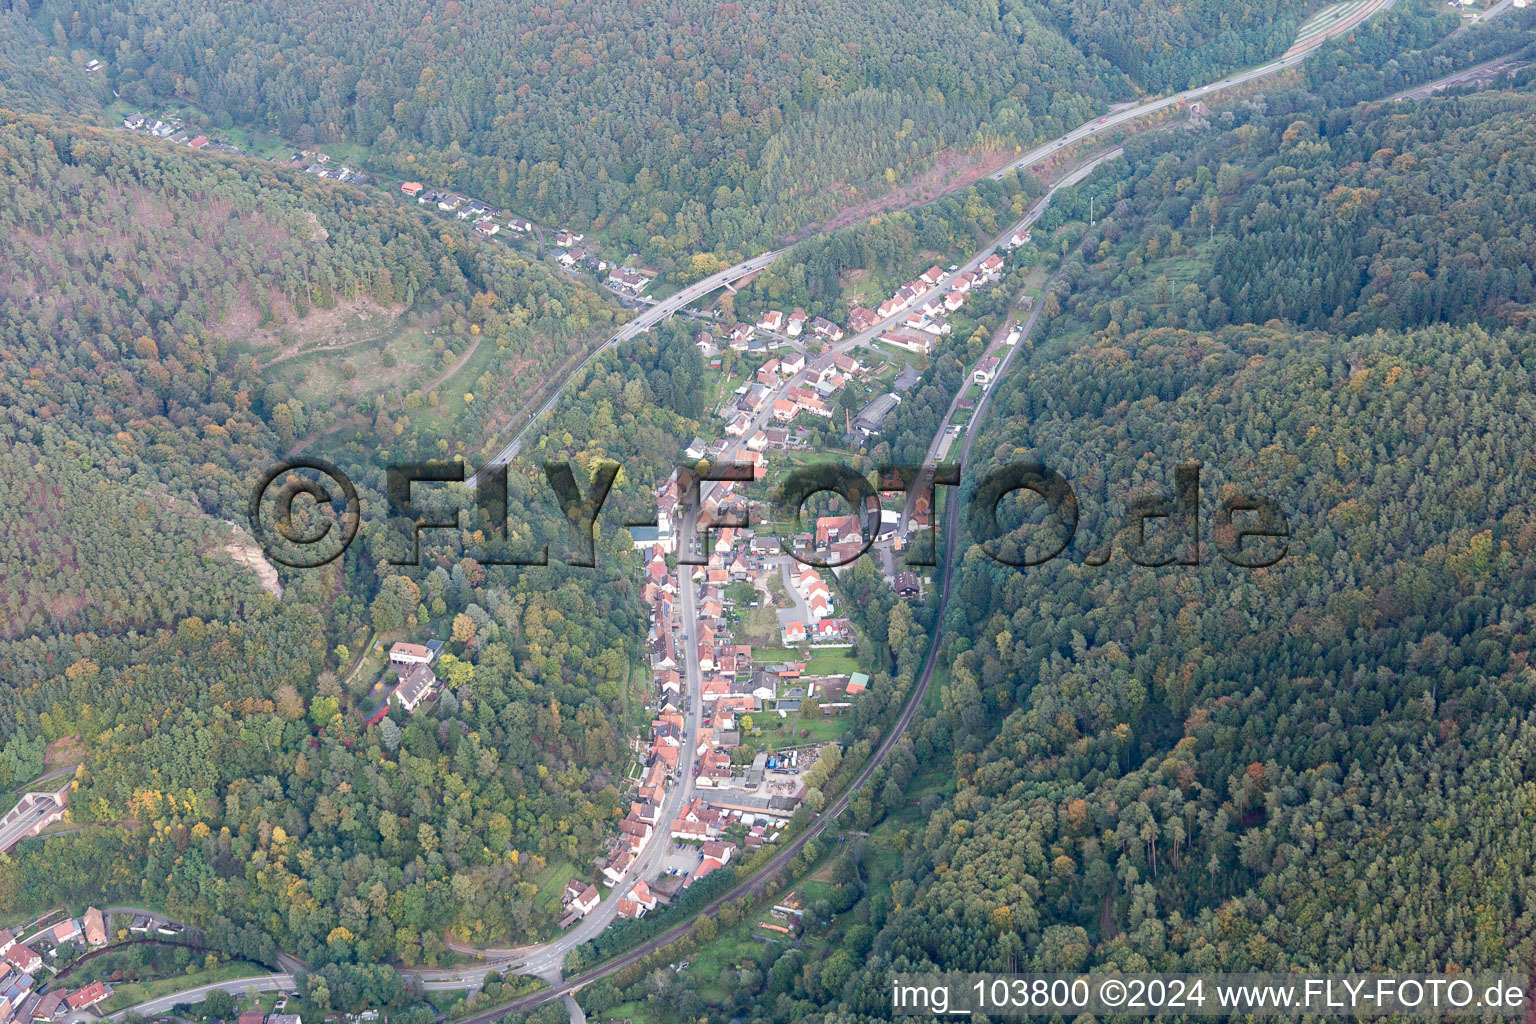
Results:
1221 769
675 127
1376 216
1321 764
230 775
1165 47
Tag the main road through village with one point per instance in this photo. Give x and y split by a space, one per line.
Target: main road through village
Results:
546 960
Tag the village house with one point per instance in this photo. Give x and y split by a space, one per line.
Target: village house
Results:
587 901
642 895
95 928
773 320
986 371
626 281
416 685
90 995
412 188
405 655
65 931
23 958
861 319
826 329
740 335
614 872
830 529
919 342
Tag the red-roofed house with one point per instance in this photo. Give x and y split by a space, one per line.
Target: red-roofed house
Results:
95 992
65 931
95 928
24 958
642 895
689 831
588 899
834 528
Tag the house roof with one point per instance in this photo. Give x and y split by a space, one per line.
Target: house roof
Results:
91 994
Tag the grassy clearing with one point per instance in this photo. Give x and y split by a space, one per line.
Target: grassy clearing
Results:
779 733
832 663
551 882
774 655
380 357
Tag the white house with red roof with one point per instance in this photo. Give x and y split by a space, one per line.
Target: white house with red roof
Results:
585 903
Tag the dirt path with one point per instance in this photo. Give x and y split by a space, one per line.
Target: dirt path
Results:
360 420
295 353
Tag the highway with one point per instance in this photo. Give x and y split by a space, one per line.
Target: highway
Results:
647 319
1116 118
29 813
545 960
687 296
760 878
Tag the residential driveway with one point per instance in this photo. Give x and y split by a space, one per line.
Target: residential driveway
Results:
801 609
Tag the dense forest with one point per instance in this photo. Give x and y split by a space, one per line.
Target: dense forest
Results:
1321 764
1378 216
1324 763
675 127
228 760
